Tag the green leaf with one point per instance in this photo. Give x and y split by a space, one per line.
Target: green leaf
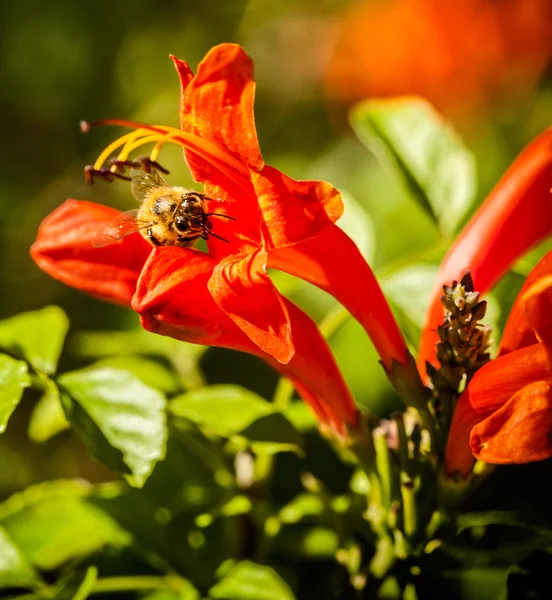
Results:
221 409
424 154
249 581
185 591
47 418
36 336
271 434
121 419
15 570
58 525
78 586
150 372
14 378
314 542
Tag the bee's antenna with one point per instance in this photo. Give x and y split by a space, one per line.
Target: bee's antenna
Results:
219 215
208 232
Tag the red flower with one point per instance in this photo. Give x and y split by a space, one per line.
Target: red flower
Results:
514 217
505 414
226 298
462 56
505 399
130 271
280 223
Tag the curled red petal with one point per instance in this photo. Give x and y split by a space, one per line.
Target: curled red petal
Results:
293 211
217 104
515 216
520 431
172 299
491 387
64 250
530 319
333 262
242 289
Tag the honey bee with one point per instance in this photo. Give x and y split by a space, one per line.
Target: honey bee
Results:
167 216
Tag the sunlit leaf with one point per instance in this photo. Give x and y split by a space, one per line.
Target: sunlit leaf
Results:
59 527
121 419
78 586
47 418
505 518
271 434
150 372
250 581
184 591
15 569
14 378
36 336
424 154
221 409
314 542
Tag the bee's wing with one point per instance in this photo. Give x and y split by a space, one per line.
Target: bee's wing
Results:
142 183
123 225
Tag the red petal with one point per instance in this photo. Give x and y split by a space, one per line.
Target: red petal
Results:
520 431
515 216
217 105
243 291
530 319
64 250
294 210
173 300
492 386
333 262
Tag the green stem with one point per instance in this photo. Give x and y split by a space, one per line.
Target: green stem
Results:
283 394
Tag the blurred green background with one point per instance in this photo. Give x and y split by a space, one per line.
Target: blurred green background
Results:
64 61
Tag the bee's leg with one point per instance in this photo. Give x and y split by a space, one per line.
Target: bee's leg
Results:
142 162
104 173
152 238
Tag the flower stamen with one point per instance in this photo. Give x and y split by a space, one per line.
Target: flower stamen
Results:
230 166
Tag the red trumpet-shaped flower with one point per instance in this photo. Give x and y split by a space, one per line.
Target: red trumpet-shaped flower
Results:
169 288
279 223
514 217
226 298
505 414
506 397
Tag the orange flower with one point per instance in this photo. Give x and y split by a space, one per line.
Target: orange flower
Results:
462 56
226 298
505 414
514 217
502 405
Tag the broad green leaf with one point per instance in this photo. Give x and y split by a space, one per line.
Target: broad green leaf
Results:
58 528
150 372
15 569
14 378
121 419
271 434
250 581
424 154
221 409
47 418
36 336
184 357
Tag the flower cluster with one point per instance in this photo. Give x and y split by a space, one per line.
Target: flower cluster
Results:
225 297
